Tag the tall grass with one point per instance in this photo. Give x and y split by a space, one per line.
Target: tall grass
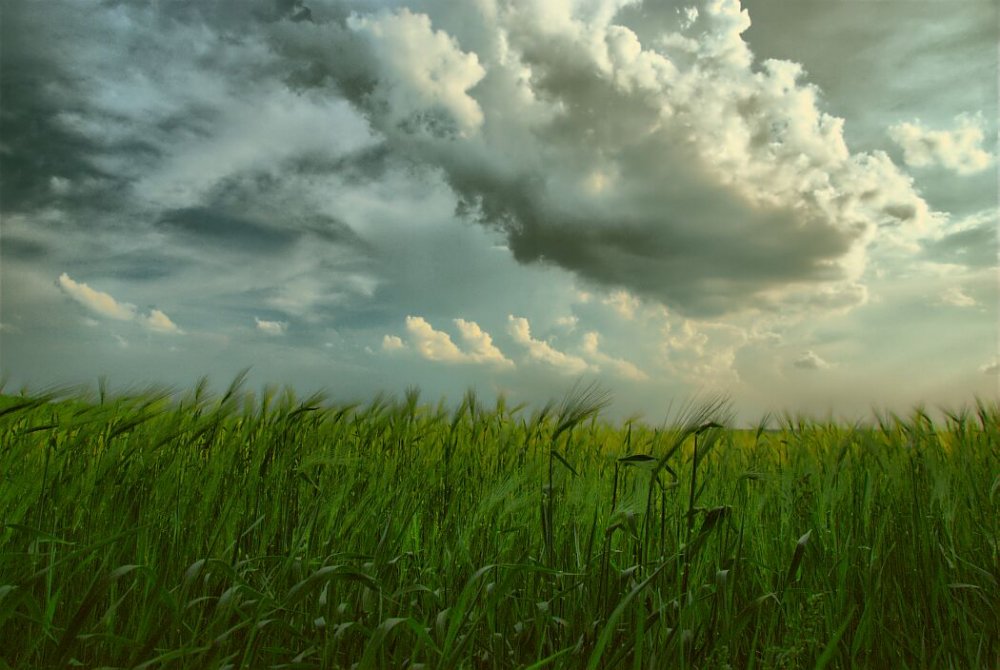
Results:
260 531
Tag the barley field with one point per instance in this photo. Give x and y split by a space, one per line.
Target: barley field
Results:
265 530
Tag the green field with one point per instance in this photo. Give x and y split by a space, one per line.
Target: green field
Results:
269 531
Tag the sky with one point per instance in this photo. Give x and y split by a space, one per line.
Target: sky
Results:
794 204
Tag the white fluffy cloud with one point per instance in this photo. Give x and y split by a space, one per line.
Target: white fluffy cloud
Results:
543 352
702 352
160 322
271 327
104 304
392 343
623 303
960 149
436 345
424 75
96 301
619 366
481 347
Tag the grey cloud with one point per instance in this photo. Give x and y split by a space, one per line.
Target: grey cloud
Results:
138 266
682 220
36 147
360 166
19 248
976 246
201 224
272 208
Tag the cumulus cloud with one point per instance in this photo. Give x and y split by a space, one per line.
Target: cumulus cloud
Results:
619 366
623 303
676 167
160 322
541 351
702 352
104 304
810 360
436 345
568 322
96 301
424 76
271 327
991 368
481 347
392 343
960 149
669 165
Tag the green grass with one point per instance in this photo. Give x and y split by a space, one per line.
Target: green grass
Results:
274 532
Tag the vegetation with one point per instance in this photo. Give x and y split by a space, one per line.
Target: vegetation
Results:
152 531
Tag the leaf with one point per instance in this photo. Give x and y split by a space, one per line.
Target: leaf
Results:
800 550
639 460
564 462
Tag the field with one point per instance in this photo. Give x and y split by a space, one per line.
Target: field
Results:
268 531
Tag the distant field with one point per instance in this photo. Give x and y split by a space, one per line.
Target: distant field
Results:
271 531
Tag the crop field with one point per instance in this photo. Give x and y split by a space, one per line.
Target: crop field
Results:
268 531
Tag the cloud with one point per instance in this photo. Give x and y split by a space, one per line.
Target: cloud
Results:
677 168
955 297
810 360
482 349
436 345
991 368
104 304
160 322
568 322
669 166
96 301
623 303
702 352
959 149
392 343
271 327
423 75
971 241
541 351
619 366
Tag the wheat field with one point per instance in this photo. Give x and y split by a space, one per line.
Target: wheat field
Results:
264 530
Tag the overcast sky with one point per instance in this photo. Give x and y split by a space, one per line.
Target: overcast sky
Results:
793 203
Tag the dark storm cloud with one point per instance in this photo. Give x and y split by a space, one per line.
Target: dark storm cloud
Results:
145 266
18 248
99 103
271 212
676 168
38 152
200 225
687 256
